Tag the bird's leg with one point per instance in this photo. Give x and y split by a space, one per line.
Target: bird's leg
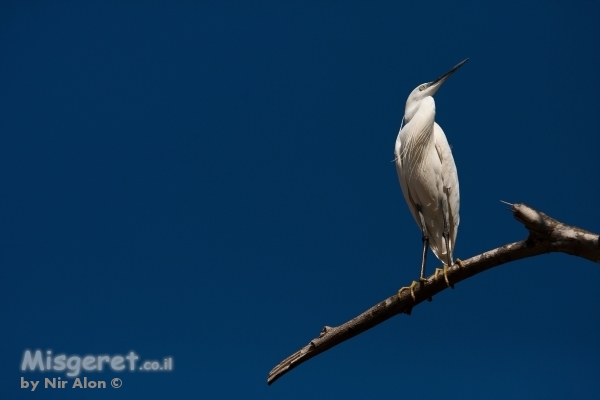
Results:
446 233
424 258
446 236
425 239
422 279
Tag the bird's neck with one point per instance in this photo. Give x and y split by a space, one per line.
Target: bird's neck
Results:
412 107
419 126
410 111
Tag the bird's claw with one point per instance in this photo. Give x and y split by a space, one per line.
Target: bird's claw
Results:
443 271
411 288
460 263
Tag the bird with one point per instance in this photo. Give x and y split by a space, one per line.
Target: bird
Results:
428 176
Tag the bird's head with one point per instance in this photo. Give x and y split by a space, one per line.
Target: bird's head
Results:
426 90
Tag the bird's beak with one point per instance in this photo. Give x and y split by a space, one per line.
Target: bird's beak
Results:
438 82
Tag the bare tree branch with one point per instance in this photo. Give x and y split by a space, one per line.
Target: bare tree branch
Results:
545 235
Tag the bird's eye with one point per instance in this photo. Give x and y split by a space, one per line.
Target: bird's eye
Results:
421 88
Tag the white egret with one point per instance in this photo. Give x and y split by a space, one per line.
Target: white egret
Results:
428 176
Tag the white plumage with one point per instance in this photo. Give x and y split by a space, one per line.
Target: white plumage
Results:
427 172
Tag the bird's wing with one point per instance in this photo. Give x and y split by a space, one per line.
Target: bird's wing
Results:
450 180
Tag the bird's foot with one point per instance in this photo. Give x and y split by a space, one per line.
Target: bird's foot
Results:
411 288
443 271
459 263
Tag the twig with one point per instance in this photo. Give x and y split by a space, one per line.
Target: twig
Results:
546 235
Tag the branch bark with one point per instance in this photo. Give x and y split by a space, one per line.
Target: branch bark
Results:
546 235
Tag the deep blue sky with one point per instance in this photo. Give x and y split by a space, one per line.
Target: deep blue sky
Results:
212 181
